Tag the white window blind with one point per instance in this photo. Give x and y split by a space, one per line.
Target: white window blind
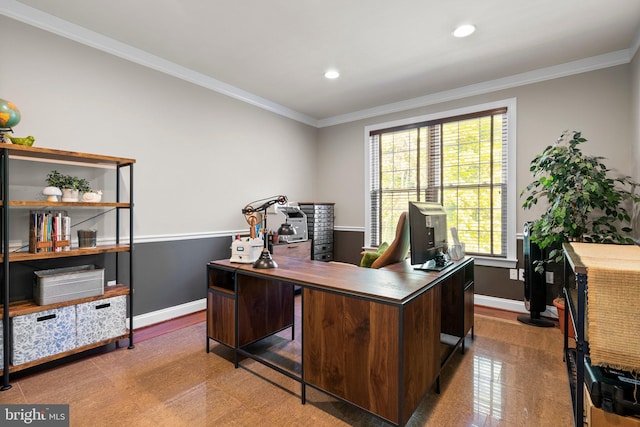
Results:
460 162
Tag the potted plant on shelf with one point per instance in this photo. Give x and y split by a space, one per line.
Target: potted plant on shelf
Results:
584 202
71 186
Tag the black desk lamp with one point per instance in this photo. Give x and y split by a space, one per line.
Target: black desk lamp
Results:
265 260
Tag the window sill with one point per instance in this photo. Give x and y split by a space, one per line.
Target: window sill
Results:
495 262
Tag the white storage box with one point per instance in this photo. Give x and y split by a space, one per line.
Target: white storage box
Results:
101 320
43 334
66 284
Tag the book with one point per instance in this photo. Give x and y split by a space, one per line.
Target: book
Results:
49 231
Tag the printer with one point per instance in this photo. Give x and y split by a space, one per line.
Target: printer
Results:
298 220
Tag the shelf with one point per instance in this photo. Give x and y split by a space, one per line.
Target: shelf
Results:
45 204
20 308
28 256
11 309
48 154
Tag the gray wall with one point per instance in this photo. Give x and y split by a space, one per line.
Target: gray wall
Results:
201 156
599 103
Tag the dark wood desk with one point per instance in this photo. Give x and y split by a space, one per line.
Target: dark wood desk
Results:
369 337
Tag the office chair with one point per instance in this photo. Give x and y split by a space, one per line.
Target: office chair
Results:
399 248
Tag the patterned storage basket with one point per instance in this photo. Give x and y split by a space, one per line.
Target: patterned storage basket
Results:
101 320
43 334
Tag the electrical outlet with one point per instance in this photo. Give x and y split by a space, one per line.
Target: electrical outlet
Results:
513 274
521 274
549 277
111 283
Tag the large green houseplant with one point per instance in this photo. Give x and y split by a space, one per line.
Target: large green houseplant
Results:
584 203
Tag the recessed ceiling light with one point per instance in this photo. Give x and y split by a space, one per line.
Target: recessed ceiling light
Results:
464 30
332 74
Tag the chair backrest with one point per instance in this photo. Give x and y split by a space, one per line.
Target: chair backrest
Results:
399 248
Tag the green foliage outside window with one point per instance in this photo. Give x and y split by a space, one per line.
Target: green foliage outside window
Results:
461 163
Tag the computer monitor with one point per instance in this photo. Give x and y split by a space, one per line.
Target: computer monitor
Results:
427 233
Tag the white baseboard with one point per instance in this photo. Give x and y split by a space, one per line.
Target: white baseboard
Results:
168 313
511 305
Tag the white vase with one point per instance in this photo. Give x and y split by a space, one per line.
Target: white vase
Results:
70 195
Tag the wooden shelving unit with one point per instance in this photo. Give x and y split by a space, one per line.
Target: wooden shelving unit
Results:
11 309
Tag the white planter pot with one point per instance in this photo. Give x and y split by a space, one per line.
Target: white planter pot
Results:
69 195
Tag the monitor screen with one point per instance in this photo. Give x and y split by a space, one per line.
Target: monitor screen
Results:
427 231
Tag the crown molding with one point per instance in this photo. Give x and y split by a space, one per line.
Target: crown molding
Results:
542 74
36 18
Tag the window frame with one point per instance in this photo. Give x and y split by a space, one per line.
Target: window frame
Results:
510 104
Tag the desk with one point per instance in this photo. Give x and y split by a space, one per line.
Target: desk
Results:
369 337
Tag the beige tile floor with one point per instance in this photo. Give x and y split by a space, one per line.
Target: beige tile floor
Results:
510 375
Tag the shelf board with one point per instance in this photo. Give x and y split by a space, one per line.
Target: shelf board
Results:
225 291
49 154
20 308
44 204
16 368
28 256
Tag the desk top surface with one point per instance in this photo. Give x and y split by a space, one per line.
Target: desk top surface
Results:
397 283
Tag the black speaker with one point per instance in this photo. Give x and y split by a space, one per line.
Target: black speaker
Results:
535 288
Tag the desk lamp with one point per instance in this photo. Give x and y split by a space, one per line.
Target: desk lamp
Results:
249 211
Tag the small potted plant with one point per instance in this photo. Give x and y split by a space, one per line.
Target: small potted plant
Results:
71 186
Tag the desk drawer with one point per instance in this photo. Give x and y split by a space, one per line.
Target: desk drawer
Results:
294 250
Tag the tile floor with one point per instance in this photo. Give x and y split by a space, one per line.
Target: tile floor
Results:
511 375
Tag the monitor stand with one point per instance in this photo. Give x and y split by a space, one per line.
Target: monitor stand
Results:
431 266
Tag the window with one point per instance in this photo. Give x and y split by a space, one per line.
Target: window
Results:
458 158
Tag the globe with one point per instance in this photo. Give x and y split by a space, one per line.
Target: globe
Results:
9 114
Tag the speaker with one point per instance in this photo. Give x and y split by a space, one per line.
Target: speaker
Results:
535 288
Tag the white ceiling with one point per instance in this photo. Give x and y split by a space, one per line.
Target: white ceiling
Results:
274 53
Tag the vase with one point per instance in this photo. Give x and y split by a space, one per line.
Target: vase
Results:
70 195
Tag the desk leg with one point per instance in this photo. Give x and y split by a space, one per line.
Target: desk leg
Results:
293 314
304 393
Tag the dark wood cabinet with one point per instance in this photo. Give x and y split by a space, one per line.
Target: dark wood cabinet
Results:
457 303
235 318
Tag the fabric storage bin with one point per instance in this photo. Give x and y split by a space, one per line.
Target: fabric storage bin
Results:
66 284
43 334
101 320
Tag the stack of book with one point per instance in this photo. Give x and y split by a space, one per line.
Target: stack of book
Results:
49 231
